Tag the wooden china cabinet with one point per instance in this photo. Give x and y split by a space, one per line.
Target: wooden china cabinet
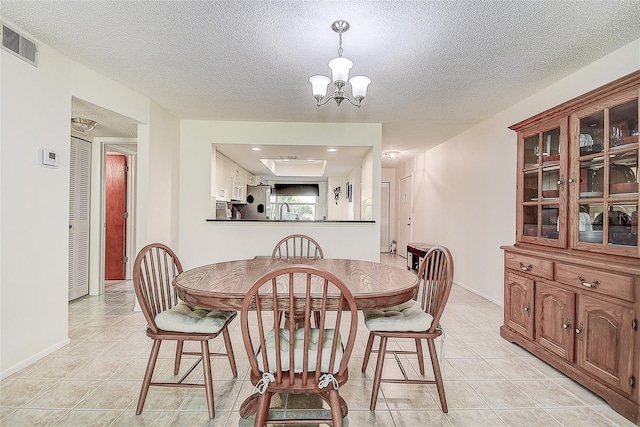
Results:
572 279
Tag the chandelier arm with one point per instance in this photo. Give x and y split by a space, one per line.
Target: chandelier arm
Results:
352 103
324 101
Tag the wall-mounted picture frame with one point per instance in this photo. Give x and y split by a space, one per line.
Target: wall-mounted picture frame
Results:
349 192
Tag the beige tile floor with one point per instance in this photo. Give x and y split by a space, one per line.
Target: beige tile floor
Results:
95 380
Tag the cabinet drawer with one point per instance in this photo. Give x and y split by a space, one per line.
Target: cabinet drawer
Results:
532 265
615 285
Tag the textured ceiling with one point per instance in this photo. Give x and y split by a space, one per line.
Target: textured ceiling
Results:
438 67
110 124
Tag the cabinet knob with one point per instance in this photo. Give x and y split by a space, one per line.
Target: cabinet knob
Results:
567 326
571 180
527 309
579 331
560 182
525 267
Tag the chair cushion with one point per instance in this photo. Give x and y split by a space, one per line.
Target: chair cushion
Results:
184 317
408 316
314 335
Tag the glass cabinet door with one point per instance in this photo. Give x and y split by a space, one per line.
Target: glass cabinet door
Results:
542 197
605 217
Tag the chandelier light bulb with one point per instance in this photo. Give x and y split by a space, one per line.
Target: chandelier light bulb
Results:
340 69
319 85
359 85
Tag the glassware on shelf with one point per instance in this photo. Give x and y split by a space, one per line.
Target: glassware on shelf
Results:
623 120
550 180
592 134
550 227
589 230
551 146
530 221
591 178
531 186
622 178
531 151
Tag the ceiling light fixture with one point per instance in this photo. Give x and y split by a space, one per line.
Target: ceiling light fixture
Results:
83 125
391 155
340 72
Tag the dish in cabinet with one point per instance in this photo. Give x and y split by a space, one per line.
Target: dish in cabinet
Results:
588 194
591 236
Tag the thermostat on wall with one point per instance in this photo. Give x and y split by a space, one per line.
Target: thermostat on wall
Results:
48 158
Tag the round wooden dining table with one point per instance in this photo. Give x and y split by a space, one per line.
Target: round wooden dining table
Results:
224 285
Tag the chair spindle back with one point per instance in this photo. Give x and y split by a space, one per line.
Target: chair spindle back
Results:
153 272
297 246
436 275
291 357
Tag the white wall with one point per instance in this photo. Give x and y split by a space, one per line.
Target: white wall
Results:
464 190
370 190
34 203
203 242
163 176
36 112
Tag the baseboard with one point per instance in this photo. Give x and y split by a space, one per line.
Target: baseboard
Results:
33 359
480 294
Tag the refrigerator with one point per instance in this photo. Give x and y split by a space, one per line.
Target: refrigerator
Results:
258 204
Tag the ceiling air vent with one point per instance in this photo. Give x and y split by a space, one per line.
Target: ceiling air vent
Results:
19 45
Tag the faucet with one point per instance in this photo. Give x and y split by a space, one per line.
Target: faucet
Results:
288 208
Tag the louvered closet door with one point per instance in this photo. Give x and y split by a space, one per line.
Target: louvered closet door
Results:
79 198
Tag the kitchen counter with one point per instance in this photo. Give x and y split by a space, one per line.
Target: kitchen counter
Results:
350 221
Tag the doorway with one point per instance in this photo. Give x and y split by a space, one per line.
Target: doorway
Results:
115 216
404 216
385 217
118 215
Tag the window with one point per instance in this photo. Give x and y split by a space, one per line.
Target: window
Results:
294 207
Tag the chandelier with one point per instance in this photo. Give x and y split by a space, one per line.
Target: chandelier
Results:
83 125
340 72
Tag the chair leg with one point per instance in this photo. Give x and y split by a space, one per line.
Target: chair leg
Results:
336 411
378 376
367 352
208 380
176 365
420 355
146 382
437 374
230 355
264 401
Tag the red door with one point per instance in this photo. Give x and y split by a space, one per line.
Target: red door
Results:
116 205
